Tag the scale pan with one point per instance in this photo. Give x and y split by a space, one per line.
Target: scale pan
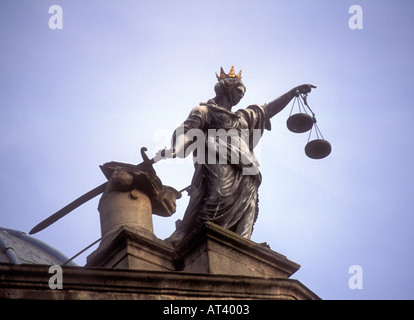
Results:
318 149
299 122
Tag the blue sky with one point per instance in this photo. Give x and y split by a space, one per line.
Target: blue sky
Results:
122 75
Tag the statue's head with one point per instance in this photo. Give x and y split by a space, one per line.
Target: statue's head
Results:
230 86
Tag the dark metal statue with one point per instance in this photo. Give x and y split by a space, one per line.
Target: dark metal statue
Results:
225 192
226 178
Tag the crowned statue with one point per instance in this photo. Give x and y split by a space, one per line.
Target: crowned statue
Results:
225 192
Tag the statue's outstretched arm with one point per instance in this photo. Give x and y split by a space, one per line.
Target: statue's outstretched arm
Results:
179 146
277 105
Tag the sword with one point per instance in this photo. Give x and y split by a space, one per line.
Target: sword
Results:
90 195
69 208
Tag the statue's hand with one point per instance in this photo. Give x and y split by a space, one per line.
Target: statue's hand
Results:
303 89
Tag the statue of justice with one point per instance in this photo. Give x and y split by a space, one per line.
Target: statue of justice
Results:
221 191
226 179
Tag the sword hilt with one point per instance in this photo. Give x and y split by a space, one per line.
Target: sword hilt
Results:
147 161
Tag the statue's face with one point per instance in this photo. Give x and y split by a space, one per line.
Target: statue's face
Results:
237 94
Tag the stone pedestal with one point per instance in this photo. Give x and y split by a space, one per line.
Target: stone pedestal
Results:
210 249
211 263
213 249
134 248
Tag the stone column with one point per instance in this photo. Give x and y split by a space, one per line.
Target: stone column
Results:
133 194
123 205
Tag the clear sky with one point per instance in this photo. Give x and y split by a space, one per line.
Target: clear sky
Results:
122 75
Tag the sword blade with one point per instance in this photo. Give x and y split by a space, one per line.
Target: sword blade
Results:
86 197
67 209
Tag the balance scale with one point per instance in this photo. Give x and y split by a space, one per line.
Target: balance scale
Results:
301 122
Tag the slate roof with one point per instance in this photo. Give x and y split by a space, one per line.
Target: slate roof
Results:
17 247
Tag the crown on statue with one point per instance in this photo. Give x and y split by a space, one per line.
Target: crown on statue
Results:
231 74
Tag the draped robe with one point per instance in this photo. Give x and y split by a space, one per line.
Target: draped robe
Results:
224 193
